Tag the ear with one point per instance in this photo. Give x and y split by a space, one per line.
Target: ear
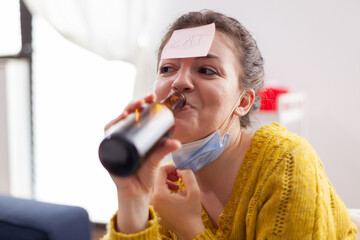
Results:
245 103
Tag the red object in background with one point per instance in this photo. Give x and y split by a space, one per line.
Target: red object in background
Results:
269 97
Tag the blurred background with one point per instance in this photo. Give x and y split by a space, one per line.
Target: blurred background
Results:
67 67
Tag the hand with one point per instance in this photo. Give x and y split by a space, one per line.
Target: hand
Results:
179 210
134 191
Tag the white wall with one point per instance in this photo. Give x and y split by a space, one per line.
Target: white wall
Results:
310 46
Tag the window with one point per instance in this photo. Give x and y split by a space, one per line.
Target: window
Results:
75 93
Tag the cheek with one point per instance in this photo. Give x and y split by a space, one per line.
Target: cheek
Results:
219 101
215 95
161 88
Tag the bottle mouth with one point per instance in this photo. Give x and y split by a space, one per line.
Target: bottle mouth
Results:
177 100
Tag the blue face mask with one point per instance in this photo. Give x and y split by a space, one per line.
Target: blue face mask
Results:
195 155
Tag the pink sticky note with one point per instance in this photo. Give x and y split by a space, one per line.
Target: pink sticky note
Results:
190 42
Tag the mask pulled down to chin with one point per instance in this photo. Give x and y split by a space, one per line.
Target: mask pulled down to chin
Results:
196 155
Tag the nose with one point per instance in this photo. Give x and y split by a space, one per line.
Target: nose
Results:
183 82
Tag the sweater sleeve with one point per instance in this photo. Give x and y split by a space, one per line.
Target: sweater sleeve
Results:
297 200
151 232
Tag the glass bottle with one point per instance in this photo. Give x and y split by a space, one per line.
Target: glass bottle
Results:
129 142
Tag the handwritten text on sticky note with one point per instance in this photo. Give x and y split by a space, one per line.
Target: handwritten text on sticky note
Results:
190 42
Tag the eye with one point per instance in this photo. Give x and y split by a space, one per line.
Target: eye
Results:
166 69
207 71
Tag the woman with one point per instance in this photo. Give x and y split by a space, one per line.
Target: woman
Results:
264 185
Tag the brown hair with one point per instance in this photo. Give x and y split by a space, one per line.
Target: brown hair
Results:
250 59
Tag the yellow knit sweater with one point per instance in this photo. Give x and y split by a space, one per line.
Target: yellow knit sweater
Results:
281 192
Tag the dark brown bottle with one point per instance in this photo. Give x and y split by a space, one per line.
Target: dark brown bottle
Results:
128 143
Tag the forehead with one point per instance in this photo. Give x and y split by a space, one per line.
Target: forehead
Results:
223 47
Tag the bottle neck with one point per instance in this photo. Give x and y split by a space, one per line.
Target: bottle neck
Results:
175 102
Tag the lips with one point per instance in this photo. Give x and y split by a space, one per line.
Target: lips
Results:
187 106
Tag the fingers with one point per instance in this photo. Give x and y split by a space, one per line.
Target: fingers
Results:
149 170
165 147
116 120
130 108
167 172
164 172
172 186
150 98
162 183
173 178
190 183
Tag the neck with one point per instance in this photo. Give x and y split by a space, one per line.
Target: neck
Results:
218 177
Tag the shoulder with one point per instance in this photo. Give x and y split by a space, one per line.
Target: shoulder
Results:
275 141
284 155
275 135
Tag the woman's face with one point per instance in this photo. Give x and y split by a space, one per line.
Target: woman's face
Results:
210 85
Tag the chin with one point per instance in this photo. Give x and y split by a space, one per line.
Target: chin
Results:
182 136
185 136
185 130
179 135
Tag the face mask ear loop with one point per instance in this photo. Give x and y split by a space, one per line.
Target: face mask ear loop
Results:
229 115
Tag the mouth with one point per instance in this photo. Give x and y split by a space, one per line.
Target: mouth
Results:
187 106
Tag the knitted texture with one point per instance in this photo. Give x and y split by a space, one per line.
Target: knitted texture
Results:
281 192
151 232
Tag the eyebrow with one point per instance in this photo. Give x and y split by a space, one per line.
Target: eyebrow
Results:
210 56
